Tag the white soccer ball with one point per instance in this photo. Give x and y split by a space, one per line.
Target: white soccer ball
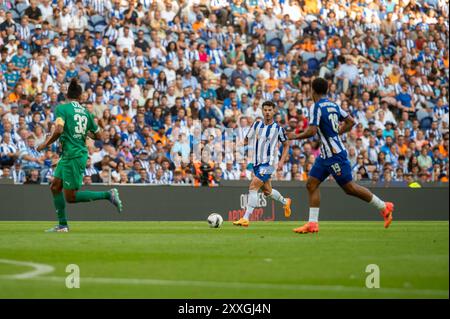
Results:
215 220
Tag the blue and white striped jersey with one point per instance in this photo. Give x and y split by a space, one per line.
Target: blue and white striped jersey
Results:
263 140
326 115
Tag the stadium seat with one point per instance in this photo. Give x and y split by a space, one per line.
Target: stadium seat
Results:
100 28
98 20
228 72
276 42
20 7
147 38
425 123
201 41
15 16
313 64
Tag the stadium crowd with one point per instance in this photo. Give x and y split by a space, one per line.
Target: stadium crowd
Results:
166 77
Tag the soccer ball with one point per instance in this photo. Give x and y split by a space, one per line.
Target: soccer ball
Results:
215 220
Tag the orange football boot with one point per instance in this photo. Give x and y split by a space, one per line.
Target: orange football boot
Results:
309 227
287 208
242 222
387 214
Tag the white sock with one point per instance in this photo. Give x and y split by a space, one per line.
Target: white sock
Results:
252 202
275 195
314 214
377 203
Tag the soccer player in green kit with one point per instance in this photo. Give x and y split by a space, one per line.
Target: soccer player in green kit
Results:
73 124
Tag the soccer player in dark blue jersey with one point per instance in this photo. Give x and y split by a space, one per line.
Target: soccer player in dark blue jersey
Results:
329 121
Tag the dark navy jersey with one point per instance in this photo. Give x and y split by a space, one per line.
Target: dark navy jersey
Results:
327 115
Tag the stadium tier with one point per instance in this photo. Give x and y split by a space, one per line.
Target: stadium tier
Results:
176 85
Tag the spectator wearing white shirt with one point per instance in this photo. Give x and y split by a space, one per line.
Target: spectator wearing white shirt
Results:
346 75
37 67
125 40
229 172
65 19
272 25
254 111
168 13
46 9
13 115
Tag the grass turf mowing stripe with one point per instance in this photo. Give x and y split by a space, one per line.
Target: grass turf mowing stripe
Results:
40 269
243 285
190 260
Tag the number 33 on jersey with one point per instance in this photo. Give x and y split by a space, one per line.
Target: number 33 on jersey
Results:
77 123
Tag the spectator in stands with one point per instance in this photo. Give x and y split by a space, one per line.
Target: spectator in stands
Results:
158 76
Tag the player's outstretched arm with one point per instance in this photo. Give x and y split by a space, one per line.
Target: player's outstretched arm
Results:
310 131
347 125
53 137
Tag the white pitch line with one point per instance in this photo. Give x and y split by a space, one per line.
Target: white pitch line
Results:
244 285
39 269
43 269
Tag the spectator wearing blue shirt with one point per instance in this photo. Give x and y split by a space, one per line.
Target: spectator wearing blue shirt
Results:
19 60
239 13
207 92
388 131
189 80
386 148
272 55
230 99
71 72
238 73
387 50
36 40
38 105
405 101
305 73
11 76
208 111
155 69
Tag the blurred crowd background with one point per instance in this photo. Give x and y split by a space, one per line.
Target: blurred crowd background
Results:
165 78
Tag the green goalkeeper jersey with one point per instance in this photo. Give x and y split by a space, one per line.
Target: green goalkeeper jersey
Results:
77 123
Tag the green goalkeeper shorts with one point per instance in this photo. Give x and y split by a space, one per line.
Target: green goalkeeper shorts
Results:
71 171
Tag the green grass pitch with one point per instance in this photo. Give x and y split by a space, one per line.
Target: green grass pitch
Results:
191 260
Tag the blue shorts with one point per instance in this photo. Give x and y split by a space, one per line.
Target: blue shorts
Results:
338 166
263 171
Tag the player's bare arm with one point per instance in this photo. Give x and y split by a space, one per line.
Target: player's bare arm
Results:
284 155
95 136
59 129
310 131
347 125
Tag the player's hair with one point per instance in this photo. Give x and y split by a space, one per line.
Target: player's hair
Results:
268 103
320 86
74 91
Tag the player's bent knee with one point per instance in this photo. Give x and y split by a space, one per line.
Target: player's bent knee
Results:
70 197
349 189
311 186
55 187
70 200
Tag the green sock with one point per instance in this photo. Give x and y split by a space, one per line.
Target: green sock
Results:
88 196
60 205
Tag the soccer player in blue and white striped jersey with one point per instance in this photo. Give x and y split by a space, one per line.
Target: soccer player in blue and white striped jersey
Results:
325 121
263 137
